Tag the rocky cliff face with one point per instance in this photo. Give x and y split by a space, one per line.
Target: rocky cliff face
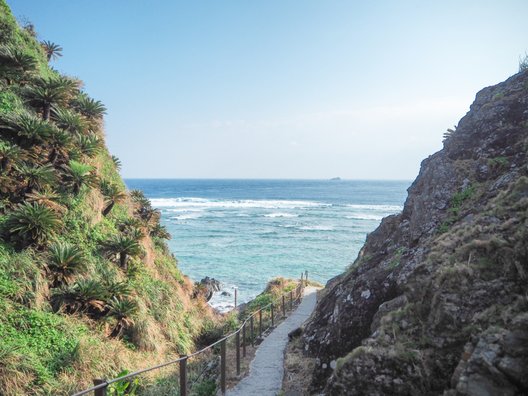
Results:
436 302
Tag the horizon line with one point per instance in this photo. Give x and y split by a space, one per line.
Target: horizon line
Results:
263 178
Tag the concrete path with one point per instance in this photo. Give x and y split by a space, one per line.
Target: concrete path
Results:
267 368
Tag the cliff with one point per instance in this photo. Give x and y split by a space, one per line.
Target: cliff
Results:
436 301
88 287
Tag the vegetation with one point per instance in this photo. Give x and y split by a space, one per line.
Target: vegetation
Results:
523 63
456 204
69 313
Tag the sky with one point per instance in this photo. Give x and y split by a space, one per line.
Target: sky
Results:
279 88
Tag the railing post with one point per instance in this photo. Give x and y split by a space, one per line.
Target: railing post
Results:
244 338
301 278
272 317
291 300
183 375
237 341
236 295
306 277
283 306
252 334
100 391
260 322
223 366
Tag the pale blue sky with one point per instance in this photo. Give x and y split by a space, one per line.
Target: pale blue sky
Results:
281 89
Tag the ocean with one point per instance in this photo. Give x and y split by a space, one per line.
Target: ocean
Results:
245 232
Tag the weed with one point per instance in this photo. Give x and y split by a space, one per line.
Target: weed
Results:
395 262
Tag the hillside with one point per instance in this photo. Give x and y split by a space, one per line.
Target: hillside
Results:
436 302
88 287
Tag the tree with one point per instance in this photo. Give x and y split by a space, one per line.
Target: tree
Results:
68 120
47 198
52 50
10 154
88 296
122 247
59 143
49 92
117 162
31 224
89 145
122 310
37 177
90 108
78 175
160 231
28 127
16 64
65 261
113 194
116 289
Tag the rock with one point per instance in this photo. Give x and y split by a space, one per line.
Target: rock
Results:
206 287
225 294
435 302
294 333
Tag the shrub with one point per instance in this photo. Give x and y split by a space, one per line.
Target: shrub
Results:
65 261
31 224
523 63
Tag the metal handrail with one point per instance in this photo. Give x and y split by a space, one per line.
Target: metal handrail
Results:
103 385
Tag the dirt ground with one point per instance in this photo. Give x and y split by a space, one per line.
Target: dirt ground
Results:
298 370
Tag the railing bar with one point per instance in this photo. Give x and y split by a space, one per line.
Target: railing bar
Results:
250 317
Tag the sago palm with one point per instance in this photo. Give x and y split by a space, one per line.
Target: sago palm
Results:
16 64
78 175
52 50
59 143
113 194
89 145
122 310
116 289
117 162
29 128
37 177
47 198
121 247
160 231
88 296
10 154
90 108
68 120
31 224
65 261
52 91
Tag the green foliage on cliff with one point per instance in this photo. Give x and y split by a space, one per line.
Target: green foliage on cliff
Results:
88 286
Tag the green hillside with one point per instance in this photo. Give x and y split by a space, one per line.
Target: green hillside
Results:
87 284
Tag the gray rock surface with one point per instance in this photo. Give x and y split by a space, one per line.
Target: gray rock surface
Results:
430 304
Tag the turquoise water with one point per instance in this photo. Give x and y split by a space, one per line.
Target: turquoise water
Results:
245 232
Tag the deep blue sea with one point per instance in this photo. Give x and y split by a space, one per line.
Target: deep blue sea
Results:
245 232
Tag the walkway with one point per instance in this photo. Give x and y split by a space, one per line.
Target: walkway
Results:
267 368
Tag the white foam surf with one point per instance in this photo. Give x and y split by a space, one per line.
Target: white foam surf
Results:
273 215
380 208
201 203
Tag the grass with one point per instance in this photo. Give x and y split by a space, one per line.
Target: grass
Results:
457 202
47 342
395 262
498 162
46 352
